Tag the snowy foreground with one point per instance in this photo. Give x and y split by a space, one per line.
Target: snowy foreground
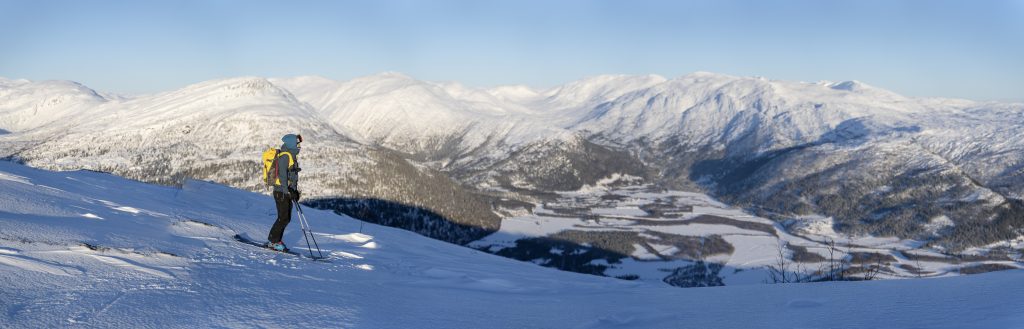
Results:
93 250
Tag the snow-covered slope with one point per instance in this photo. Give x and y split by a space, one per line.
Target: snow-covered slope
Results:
448 121
983 140
742 115
89 249
25 105
218 124
565 104
435 120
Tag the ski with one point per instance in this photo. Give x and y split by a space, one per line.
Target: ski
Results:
248 241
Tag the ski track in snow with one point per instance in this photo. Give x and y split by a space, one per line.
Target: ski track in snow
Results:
35 265
131 265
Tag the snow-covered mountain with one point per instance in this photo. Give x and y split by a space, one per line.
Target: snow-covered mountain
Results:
218 123
744 115
81 248
448 121
440 157
433 120
25 105
216 131
792 148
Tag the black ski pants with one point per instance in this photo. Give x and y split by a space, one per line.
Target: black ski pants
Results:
284 215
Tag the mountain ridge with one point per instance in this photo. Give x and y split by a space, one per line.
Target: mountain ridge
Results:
748 140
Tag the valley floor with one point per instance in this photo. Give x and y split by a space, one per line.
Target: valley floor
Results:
641 232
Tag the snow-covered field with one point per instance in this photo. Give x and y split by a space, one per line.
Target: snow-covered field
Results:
87 249
756 241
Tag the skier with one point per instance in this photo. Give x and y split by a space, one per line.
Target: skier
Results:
285 188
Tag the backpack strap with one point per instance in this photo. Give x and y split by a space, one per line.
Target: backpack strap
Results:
291 159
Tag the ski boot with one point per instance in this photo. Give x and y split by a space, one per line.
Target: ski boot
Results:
279 246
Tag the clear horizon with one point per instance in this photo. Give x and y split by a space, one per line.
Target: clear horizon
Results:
949 49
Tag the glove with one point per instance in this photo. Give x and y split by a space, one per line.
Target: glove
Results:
294 194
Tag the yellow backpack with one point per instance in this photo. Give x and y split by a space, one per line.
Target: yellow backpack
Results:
270 166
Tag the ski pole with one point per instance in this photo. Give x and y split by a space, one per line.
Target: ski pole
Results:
306 227
312 235
302 224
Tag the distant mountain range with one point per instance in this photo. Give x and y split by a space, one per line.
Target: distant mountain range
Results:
438 158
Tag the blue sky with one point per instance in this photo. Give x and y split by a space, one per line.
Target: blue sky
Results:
967 49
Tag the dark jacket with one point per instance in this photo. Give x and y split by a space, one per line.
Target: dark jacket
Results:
288 175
